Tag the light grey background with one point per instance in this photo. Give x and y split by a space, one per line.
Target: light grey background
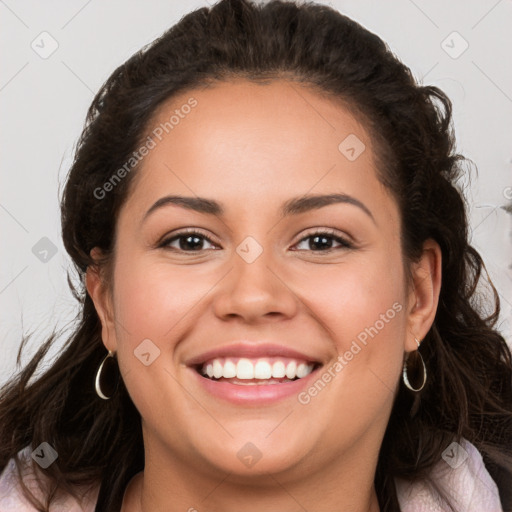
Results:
43 102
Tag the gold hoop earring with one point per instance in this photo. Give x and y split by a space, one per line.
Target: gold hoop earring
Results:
105 383
406 377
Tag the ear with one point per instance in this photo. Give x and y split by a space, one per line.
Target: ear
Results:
424 293
101 296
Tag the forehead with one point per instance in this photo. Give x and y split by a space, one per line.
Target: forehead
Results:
241 140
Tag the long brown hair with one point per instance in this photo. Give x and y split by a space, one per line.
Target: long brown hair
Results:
469 390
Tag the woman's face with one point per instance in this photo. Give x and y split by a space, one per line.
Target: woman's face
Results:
270 278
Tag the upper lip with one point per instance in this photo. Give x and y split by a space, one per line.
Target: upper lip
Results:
250 350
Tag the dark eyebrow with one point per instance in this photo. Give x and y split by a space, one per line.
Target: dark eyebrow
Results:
313 202
198 204
293 206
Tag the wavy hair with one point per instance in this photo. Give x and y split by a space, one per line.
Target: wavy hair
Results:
469 390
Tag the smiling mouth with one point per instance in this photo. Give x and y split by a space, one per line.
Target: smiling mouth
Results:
256 371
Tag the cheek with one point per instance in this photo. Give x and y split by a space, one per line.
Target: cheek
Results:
153 304
152 299
352 299
360 299
362 307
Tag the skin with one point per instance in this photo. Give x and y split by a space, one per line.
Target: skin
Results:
235 146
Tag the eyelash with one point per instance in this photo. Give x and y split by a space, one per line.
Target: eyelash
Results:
329 233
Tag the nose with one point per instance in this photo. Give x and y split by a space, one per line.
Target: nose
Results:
256 291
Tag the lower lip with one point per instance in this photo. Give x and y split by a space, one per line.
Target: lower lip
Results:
257 394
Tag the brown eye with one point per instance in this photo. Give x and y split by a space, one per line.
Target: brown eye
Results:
188 241
322 241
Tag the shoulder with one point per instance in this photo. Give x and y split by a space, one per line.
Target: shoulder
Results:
461 476
12 498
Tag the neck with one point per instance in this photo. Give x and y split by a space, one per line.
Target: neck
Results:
176 487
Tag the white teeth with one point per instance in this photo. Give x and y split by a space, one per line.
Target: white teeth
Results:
267 368
302 370
291 370
229 370
262 370
244 369
217 369
278 370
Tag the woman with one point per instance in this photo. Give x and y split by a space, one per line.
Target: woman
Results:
313 346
